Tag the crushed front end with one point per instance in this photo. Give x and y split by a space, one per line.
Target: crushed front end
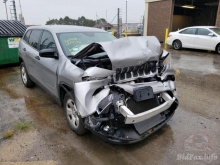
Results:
124 101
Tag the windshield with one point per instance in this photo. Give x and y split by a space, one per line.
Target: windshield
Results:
74 42
216 30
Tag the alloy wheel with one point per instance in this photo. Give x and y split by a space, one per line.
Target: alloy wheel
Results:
176 45
72 114
24 75
218 49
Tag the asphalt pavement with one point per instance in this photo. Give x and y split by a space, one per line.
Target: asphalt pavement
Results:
192 136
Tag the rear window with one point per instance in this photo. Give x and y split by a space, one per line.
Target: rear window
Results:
34 38
216 30
27 35
191 31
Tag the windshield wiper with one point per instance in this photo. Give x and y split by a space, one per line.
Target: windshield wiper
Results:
70 56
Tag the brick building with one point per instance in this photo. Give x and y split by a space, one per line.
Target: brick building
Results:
178 14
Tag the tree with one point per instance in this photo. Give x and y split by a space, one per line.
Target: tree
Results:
81 21
102 20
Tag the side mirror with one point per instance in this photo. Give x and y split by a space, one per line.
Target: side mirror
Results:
211 35
48 53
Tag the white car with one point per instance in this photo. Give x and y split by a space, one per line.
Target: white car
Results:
197 37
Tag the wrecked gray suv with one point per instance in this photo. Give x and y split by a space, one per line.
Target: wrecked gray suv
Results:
119 89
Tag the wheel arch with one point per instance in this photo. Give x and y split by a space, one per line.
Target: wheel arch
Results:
217 46
177 40
20 60
63 90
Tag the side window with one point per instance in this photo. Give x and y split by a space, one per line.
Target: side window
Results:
34 38
27 35
189 31
203 32
47 41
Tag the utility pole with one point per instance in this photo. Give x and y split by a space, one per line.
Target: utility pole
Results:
20 7
14 9
118 22
126 15
96 20
4 1
106 16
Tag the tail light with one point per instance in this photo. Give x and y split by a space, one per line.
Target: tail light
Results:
169 35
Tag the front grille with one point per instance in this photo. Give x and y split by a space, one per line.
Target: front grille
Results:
136 71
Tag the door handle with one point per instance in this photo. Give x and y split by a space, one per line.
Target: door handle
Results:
24 49
37 57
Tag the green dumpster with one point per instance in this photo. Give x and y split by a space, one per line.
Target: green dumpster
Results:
10 35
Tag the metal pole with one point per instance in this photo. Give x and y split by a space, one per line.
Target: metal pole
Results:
14 8
118 22
106 16
20 7
96 19
6 8
126 15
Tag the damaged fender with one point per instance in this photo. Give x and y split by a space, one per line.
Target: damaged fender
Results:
85 99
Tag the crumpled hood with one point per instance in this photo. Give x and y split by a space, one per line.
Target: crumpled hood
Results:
131 51
128 51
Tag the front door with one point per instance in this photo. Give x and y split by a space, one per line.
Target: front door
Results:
47 67
204 41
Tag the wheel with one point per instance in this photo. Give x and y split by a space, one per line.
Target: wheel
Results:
25 77
218 49
177 45
75 122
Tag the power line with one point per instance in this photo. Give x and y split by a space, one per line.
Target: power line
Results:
114 18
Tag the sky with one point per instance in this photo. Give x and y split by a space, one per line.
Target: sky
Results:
37 12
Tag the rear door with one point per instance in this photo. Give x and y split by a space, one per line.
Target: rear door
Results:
187 37
25 50
30 51
204 41
47 67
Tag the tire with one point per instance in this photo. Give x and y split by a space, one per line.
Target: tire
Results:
75 122
177 45
218 49
25 77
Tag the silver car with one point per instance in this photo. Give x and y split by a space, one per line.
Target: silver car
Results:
119 89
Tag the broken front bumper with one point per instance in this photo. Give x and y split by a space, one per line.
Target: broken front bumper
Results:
131 118
129 135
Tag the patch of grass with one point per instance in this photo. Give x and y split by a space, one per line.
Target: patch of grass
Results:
23 126
8 134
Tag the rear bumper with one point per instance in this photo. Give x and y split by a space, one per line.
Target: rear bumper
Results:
131 118
169 41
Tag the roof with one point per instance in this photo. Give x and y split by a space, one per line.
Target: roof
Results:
66 28
11 28
103 25
202 27
198 27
